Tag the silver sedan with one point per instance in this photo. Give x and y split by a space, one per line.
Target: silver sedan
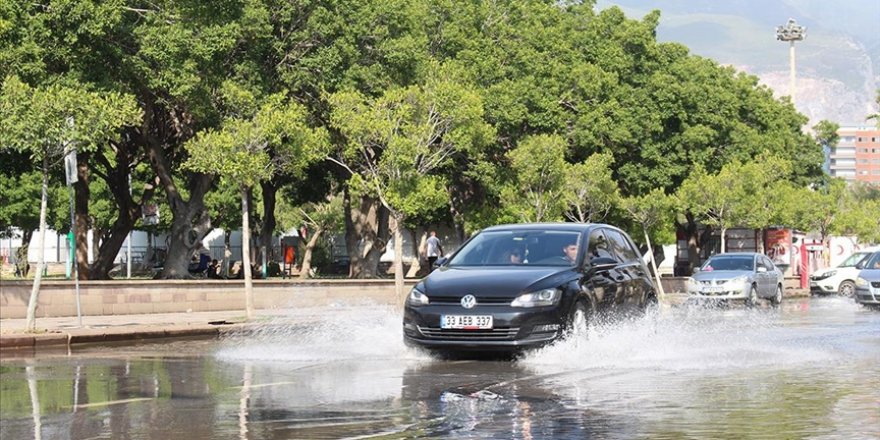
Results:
743 276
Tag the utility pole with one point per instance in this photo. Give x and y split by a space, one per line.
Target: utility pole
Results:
791 32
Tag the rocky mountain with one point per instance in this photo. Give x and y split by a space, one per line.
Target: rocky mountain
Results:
838 64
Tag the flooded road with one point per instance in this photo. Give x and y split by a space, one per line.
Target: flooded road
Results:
809 370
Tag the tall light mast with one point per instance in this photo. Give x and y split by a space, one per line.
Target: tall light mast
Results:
791 32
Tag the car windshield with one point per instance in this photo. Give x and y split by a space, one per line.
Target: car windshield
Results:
854 259
874 262
514 248
729 263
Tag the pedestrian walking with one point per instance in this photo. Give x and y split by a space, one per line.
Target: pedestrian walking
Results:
434 249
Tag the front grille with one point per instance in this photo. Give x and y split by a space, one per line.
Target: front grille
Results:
495 334
712 282
481 300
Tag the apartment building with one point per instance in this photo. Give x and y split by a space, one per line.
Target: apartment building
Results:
857 154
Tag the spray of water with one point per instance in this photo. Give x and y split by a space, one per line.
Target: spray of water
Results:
337 332
684 339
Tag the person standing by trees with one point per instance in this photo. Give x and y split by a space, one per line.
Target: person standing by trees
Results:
434 249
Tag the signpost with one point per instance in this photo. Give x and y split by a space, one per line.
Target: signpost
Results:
71 174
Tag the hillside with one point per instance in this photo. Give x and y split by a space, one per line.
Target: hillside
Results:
838 65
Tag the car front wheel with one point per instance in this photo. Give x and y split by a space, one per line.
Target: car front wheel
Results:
579 320
777 298
752 299
847 288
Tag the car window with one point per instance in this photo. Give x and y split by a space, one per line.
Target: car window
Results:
762 263
729 263
854 259
767 263
509 248
598 245
874 262
621 246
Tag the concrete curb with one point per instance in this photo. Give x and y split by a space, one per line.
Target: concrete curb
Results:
104 335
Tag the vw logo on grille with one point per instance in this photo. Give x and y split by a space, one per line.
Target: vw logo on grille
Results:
468 301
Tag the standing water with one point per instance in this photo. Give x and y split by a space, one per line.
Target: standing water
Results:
808 370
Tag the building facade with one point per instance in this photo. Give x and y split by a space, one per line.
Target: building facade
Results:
857 154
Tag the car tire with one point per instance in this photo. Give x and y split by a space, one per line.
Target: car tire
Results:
847 289
777 298
752 299
579 321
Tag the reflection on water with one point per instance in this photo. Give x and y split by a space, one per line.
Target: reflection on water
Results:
809 370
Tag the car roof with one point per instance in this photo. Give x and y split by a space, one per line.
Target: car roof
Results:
557 226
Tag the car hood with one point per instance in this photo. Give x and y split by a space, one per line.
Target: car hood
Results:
501 282
721 275
870 274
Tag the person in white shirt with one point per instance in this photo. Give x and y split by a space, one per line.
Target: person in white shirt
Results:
433 249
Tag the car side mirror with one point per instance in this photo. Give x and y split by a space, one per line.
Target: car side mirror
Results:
440 261
696 269
601 264
762 270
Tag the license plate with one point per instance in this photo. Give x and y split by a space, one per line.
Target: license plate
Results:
712 289
467 322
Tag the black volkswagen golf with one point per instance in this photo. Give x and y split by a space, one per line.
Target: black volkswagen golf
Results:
513 287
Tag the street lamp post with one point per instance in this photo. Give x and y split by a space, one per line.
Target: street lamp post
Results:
791 32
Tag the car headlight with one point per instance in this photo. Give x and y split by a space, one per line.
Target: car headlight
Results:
738 281
541 298
691 282
861 281
417 298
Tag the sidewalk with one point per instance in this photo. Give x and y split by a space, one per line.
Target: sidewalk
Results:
108 328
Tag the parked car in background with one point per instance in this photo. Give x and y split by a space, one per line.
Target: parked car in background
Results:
868 281
523 286
841 279
743 276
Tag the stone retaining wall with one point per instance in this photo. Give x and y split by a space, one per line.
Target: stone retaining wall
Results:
122 297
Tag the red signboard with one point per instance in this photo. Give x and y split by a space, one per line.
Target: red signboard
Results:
778 245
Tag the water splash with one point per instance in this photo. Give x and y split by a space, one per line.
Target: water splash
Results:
339 332
685 339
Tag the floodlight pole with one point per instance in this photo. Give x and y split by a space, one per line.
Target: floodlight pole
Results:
791 32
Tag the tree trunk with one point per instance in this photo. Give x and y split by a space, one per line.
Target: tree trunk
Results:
191 220
307 255
366 234
82 194
654 264
246 254
418 247
723 239
227 252
267 229
31 322
398 259
117 176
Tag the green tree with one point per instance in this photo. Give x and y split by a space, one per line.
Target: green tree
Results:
590 191
396 142
47 123
240 152
655 213
539 171
320 218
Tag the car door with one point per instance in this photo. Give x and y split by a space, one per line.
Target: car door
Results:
763 275
773 276
604 285
631 268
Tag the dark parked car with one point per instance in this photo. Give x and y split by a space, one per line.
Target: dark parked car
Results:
523 286
868 282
